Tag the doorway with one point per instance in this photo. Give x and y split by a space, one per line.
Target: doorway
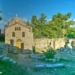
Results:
18 45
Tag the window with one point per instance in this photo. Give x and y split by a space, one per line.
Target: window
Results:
19 28
13 34
23 34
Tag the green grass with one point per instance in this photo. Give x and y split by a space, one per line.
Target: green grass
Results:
2 41
9 68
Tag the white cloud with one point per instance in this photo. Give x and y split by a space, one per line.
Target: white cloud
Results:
2 22
48 19
24 19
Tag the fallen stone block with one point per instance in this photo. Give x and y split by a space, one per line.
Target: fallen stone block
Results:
38 66
5 58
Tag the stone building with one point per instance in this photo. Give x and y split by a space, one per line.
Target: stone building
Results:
18 34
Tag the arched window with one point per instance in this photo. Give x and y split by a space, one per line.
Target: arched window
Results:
23 34
13 34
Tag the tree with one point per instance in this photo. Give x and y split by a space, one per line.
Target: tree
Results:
34 20
71 33
60 24
42 19
58 27
28 23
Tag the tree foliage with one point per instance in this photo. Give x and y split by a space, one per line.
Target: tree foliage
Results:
58 27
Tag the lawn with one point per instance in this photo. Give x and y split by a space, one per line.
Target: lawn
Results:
8 68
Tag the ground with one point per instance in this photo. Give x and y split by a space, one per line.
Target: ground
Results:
67 59
25 61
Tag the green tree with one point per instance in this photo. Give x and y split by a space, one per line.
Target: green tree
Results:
71 33
42 19
58 27
34 20
60 24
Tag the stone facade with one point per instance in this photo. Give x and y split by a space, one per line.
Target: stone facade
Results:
18 34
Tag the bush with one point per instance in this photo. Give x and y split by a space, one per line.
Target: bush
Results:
50 53
34 50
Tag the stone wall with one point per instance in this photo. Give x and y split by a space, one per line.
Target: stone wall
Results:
44 43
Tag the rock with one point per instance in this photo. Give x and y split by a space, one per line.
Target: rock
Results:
9 59
52 60
1 73
5 58
49 65
14 62
1 56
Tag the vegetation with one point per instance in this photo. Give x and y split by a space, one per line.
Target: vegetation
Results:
34 50
50 53
2 37
58 27
8 68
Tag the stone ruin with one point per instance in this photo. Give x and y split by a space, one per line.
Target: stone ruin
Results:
3 50
68 49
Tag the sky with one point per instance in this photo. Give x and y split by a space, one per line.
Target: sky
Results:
25 9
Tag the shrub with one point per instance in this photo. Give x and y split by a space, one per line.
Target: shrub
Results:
50 53
34 50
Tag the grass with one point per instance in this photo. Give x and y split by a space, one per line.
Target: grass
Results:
14 69
1 41
9 68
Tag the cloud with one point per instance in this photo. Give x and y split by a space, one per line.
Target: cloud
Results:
48 19
24 19
2 22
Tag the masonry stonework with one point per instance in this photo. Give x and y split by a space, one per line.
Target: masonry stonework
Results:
18 34
44 43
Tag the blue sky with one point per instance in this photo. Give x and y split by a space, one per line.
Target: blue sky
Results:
27 8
